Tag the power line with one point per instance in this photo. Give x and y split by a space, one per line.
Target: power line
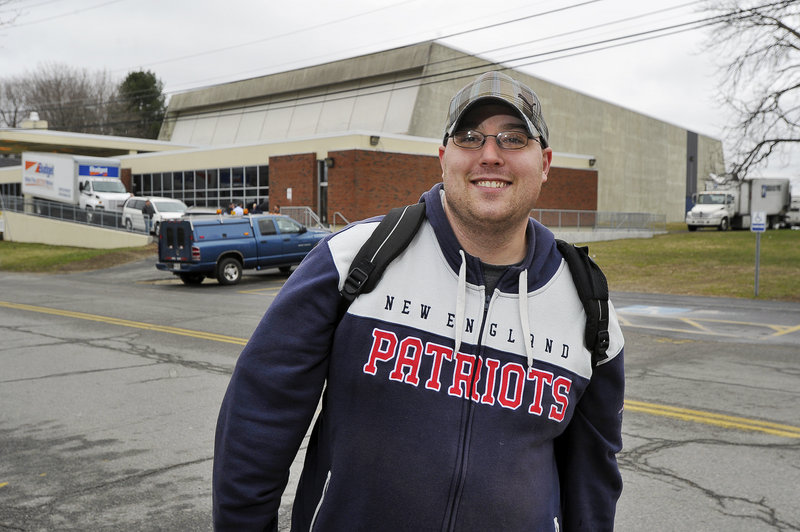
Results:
464 72
62 15
531 59
447 36
273 37
527 60
470 71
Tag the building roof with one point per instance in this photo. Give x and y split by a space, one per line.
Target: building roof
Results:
16 141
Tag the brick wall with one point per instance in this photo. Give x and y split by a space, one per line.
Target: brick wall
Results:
298 172
362 183
367 183
125 177
569 189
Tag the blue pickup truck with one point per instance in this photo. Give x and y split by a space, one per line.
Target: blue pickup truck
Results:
222 247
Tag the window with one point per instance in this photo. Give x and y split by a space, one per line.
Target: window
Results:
251 176
158 184
212 178
266 226
287 225
224 178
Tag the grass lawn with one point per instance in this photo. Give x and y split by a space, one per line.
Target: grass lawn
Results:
708 263
22 257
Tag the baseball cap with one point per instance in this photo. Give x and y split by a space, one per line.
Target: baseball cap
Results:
499 86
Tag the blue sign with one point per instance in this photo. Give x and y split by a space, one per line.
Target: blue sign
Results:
97 170
758 222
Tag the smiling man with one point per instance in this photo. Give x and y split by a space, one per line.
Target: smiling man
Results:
458 393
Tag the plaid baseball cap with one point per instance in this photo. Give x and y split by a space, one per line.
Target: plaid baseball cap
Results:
499 86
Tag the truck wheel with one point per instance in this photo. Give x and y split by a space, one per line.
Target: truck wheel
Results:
285 269
191 278
229 271
723 225
692 227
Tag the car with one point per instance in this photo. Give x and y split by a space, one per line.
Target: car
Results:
223 246
165 209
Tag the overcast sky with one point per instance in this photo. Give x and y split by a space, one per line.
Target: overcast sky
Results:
195 43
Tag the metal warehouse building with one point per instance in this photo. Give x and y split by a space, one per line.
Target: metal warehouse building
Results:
355 137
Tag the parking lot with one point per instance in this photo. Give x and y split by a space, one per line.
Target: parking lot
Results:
111 381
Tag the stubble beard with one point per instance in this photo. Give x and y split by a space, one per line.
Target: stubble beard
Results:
487 230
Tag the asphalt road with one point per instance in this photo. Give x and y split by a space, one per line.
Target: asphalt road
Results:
110 383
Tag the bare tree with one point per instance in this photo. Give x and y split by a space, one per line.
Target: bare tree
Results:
8 11
70 99
12 102
759 43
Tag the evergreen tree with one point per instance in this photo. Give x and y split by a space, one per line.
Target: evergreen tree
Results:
140 106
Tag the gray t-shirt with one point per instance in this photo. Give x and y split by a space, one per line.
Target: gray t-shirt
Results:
492 274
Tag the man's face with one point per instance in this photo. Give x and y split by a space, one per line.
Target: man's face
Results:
492 189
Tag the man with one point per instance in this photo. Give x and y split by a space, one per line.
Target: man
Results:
147 213
458 394
237 209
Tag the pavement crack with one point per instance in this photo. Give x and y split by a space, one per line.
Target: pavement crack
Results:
641 457
126 343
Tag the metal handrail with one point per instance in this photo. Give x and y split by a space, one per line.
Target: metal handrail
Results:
340 215
62 211
304 215
600 220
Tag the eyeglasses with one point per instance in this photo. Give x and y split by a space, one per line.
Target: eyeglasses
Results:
507 140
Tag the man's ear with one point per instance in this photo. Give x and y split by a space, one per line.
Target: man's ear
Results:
547 159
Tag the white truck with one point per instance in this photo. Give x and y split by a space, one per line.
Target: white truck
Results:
731 204
90 183
793 216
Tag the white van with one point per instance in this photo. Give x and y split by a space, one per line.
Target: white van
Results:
165 209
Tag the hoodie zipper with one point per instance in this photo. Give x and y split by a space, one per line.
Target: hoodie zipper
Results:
452 510
319 504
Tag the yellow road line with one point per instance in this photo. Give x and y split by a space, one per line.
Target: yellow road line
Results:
786 330
694 323
270 291
708 418
697 416
128 323
780 330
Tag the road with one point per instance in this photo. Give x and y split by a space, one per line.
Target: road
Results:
111 382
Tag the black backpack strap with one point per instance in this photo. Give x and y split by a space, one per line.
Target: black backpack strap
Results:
389 239
592 288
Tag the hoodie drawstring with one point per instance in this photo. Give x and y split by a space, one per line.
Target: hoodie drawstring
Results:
523 315
461 301
461 297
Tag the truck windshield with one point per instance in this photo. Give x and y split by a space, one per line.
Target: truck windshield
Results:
108 186
711 199
170 206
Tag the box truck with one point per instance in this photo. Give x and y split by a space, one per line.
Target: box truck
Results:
793 216
90 183
731 204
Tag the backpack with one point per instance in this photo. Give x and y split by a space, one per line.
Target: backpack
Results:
398 228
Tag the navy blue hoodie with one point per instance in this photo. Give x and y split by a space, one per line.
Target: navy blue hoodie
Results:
442 407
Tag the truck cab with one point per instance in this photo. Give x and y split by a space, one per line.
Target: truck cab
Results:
793 214
102 193
712 209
